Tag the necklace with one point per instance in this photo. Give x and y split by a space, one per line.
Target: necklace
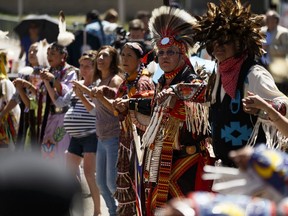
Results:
59 72
132 83
128 87
172 74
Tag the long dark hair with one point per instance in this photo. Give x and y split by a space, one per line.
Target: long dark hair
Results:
115 62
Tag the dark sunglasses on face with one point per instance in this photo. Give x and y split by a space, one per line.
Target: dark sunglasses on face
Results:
90 55
220 42
168 53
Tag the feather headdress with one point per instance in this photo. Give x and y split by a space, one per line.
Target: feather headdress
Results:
231 21
64 37
172 26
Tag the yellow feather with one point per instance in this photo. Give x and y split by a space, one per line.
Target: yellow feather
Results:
3 73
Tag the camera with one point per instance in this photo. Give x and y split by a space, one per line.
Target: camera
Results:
121 37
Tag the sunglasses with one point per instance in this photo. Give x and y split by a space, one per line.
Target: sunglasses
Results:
221 42
168 53
90 55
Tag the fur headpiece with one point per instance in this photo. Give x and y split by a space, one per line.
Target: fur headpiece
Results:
231 21
172 26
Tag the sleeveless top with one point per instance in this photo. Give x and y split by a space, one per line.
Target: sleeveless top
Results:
107 125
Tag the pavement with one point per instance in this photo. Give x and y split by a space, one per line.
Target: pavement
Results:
87 202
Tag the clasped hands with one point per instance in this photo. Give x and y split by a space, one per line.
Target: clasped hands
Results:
164 94
96 92
21 83
45 75
120 105
18 83
77 87
253 103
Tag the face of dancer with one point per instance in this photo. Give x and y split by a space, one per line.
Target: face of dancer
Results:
55 58
32 55
129 60
223 51
169 58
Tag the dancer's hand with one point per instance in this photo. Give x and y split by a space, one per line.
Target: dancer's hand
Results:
241 157
18 83
45 75
253 103
121 104
163 95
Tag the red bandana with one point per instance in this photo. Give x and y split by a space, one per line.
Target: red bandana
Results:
229 71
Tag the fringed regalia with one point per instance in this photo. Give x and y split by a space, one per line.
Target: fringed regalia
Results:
29 126
9 122
53 137
132 129
175 146
175 142
234 23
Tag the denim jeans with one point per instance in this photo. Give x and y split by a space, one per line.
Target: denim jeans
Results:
106 171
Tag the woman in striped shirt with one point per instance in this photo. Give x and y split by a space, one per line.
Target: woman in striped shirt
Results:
79 122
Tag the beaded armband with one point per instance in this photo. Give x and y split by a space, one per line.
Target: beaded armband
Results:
277 105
